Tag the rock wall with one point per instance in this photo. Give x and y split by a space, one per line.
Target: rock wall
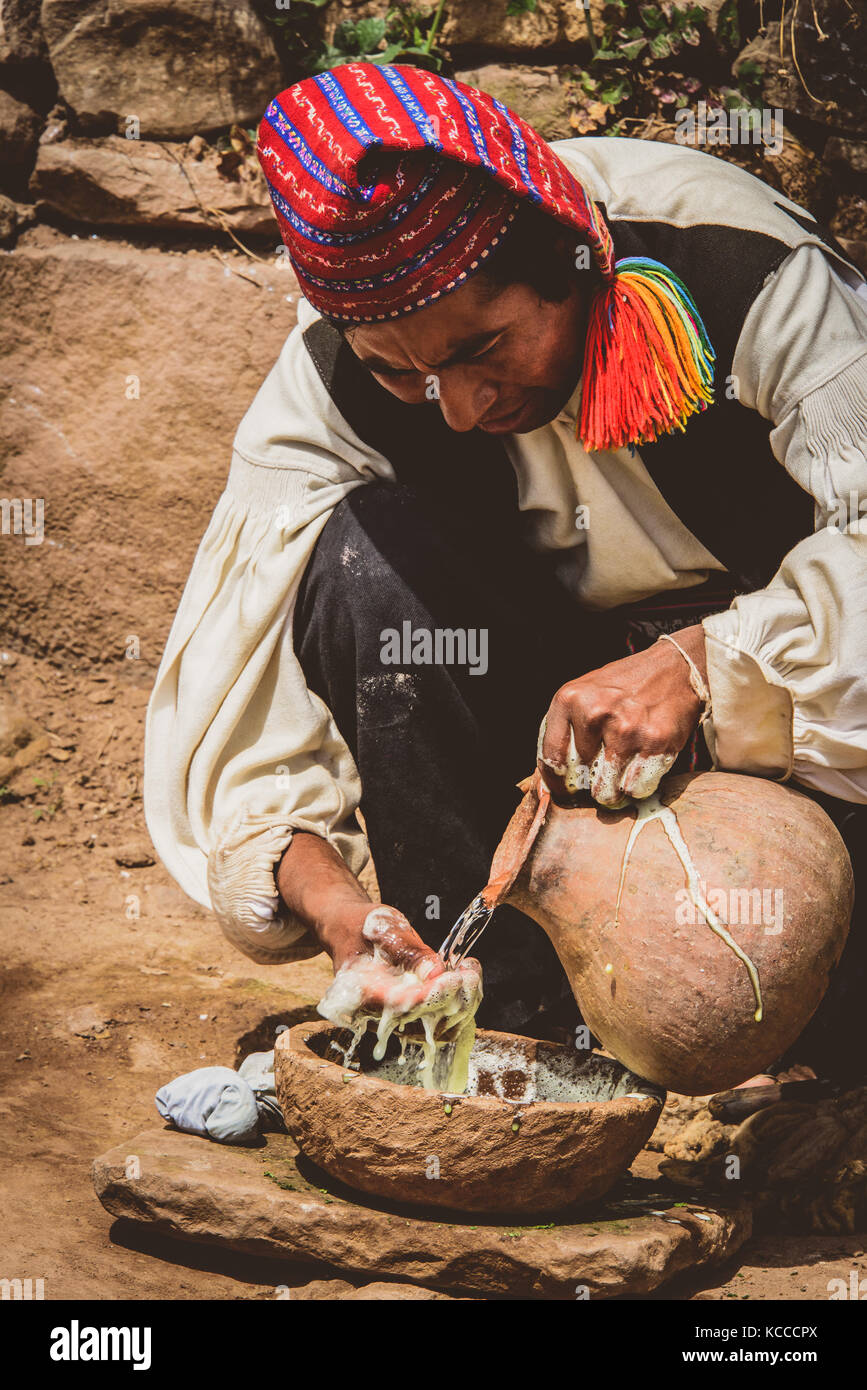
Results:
142 304
192 65
126 369
143 296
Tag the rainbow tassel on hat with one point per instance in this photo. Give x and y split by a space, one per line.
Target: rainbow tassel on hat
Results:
648 362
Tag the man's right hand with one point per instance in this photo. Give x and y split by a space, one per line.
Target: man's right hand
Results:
320 890
375 927
395 974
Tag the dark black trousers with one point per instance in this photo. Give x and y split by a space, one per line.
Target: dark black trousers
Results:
439 747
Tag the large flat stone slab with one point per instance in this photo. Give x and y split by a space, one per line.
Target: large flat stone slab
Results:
265 1201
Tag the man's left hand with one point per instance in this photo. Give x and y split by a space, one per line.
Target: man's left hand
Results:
618 730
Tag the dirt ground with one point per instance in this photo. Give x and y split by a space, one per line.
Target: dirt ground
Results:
113 982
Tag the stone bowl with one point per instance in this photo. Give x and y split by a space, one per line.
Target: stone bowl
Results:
541 1127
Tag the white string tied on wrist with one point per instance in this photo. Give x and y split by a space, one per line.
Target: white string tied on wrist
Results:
696 680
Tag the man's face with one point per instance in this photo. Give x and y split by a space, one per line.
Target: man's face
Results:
502 359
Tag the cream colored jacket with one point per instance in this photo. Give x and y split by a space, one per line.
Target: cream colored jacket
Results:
239 753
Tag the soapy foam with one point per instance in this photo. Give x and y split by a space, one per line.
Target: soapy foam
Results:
505 1071
446 1013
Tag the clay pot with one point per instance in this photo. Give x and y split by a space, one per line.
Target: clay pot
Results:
496 1149
660 990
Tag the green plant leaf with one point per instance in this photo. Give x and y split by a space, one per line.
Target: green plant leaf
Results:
661 46
651 17
727 26
329 58
345 37
733 100
416 57
632 49
391 53
616 92
750 77
691 36
369 33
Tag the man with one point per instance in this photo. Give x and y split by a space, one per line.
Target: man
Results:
543 404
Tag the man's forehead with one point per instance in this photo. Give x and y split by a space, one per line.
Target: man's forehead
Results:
432 335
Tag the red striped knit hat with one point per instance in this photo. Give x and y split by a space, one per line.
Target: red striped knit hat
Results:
392 185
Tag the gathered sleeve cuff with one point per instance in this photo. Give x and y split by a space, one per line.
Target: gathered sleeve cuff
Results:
241 880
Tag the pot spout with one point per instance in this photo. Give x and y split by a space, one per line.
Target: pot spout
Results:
518 839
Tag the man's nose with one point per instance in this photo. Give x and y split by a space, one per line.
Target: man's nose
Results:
465 398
